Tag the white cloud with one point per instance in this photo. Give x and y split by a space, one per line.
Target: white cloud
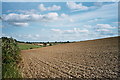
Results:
4 35
106 12
12 17
69 34
31 11
75 6
95 20
105 26
20 24
71 20
74 30
117 22
104 30
60 0
31 37
52 8
80 30
67 17
42 8
87 26
99 4
35 17
100 27
64 15
51 16
1 26
15 17
28 36
63 21
57 30
24 19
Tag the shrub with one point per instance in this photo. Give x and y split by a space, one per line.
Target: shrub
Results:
50 44
31 48
45 44
10 57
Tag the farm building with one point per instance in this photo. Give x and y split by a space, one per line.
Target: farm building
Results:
42 44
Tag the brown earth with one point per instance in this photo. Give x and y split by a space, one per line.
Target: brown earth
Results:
85 59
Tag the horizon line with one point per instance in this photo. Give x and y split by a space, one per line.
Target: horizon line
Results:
68 40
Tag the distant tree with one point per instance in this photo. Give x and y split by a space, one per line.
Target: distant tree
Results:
44 44
50 44
68 42
28 42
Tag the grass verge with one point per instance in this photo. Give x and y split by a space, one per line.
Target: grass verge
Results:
24 46
10 71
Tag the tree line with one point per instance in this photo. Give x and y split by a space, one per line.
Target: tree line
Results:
44 42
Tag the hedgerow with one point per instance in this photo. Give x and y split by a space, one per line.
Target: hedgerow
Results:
10 58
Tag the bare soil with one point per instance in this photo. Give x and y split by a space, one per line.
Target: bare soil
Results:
85 59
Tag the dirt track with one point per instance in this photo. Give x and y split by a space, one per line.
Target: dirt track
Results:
87 59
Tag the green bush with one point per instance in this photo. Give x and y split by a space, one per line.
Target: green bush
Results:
10 58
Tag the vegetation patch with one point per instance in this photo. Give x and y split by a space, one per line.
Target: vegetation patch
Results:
10 58
25 46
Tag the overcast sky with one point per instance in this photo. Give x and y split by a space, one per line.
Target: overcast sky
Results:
59 21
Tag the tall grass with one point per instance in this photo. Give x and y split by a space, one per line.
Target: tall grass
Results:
10 58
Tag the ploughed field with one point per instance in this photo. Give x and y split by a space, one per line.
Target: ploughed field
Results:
85 59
